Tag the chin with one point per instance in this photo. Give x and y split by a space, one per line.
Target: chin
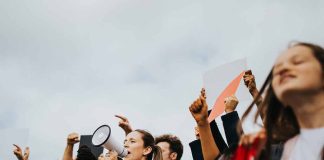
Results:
289 95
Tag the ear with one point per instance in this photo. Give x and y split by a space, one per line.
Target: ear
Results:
173 155
147 151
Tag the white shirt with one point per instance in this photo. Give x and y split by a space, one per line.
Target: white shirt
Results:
307 145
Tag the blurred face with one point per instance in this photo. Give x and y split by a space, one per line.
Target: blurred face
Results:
166 153
135 146
296 71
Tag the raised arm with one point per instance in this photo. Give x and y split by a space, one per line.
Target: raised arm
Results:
199 111
124 124
231 120
72 139
19 154
249 81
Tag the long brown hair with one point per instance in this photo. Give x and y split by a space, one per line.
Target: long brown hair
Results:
280 121
149 141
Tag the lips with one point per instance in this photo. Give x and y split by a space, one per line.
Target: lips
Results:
285 78
128 153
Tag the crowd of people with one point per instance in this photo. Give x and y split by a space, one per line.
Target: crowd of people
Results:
290 104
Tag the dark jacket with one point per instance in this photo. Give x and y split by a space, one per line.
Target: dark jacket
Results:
230 122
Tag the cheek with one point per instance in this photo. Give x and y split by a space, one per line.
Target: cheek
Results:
275 83
312 79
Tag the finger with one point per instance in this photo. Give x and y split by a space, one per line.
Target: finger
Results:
199 103
203 99
203 92
121 117
27 150
17 147
123 124
191 108
196 108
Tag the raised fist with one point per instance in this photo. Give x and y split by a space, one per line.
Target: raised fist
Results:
199 109
230 103
73 138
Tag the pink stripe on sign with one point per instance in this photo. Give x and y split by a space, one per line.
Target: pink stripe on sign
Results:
219 106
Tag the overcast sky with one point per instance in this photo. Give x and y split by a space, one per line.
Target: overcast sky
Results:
70 65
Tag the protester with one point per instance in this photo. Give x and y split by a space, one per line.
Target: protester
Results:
19 153
199 111
231 121
140 146
293 105
170 145
84 152
124 124
172 148
195 145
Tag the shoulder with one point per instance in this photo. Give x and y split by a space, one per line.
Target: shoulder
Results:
289 146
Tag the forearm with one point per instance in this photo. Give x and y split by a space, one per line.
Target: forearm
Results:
209 148
127 131
255 94
68 152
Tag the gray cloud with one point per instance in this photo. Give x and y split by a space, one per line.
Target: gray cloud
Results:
71 65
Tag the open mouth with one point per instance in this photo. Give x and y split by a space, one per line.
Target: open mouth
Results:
128 153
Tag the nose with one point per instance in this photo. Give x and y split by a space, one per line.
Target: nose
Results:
126 145
284 68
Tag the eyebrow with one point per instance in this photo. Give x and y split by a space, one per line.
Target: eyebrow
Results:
129 139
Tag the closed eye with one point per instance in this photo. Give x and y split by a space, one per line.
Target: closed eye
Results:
296 62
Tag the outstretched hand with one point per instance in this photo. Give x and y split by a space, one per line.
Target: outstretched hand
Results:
124 124
19 154
199 109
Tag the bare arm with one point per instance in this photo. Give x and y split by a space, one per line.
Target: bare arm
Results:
199 111
71 140
249 81
124 124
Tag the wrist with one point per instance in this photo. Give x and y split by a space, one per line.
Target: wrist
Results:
202 123
69 145
254 91
228 110
19 157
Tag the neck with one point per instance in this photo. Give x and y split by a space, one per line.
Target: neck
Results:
309 109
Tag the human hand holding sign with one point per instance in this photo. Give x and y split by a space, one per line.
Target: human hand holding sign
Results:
230 103
249 81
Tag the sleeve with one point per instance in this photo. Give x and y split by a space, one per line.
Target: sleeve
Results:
196 152
230 122
221 144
